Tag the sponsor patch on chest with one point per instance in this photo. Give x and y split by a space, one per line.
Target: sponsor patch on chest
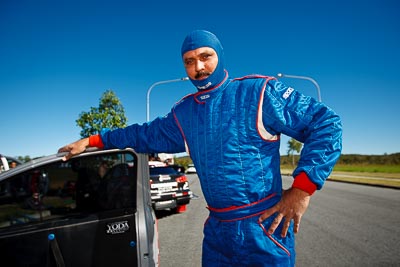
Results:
203 97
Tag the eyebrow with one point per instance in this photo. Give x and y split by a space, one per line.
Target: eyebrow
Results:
208 52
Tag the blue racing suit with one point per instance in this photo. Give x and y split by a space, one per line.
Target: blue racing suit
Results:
232 133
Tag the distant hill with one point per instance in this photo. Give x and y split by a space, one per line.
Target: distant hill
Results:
386 159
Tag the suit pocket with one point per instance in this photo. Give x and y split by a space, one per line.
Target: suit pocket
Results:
285 244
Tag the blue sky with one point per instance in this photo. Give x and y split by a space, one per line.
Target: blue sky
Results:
58 57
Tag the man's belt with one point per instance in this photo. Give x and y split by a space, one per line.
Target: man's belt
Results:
235 213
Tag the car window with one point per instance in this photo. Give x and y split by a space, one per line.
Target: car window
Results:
81 186
162 170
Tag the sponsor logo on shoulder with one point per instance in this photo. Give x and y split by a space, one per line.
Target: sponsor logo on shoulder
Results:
288 92
117 227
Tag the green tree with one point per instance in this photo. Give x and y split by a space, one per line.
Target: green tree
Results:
184 161
293 146
24 159
110 114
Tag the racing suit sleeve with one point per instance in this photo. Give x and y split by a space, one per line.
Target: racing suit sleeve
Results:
161 135
311 122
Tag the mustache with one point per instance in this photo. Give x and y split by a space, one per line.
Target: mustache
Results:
202 74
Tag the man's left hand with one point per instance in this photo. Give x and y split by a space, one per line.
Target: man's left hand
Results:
292 206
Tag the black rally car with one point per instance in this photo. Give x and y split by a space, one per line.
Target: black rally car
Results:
93 210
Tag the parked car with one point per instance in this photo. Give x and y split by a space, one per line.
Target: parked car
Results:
169 189
155 163
191 169
93 210
177 167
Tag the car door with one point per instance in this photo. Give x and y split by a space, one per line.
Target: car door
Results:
83 212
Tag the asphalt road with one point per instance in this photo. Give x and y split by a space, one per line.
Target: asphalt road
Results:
345 225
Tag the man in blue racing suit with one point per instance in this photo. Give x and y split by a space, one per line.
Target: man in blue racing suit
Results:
231 128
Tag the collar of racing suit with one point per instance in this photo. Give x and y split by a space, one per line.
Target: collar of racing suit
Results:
203 95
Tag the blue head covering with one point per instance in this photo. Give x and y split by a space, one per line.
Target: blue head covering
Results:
201 38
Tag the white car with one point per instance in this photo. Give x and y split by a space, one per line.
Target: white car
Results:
191 169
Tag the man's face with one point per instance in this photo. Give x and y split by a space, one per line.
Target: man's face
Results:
200 63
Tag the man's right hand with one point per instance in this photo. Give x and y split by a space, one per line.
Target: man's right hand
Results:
74 148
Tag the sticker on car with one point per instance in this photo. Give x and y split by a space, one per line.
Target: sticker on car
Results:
117 227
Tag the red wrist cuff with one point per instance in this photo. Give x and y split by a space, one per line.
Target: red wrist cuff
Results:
302 182
95 141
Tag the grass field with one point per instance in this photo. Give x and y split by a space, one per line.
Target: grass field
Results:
395 169
379 175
